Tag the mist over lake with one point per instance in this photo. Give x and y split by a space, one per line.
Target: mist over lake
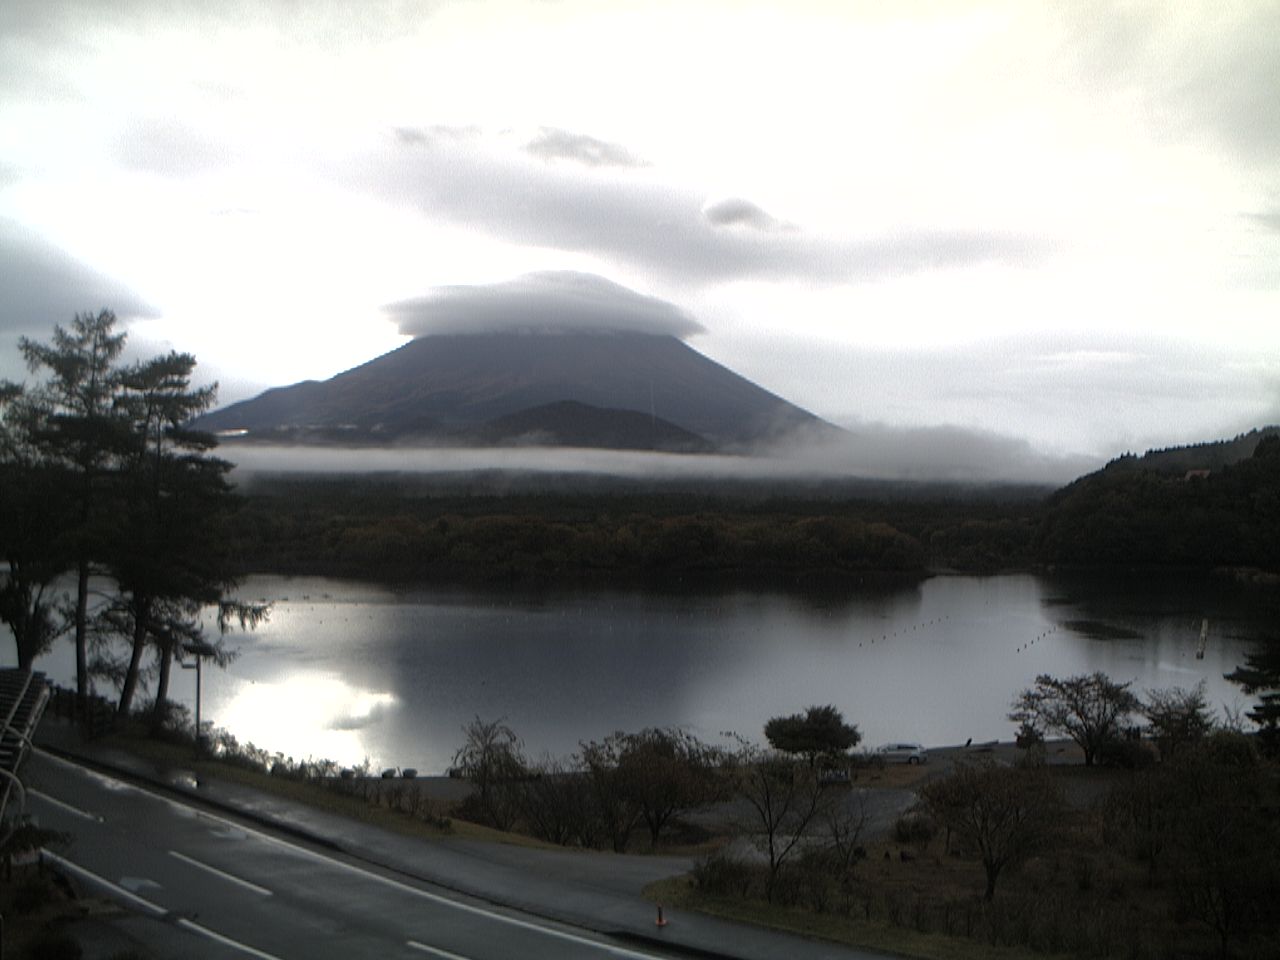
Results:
351 671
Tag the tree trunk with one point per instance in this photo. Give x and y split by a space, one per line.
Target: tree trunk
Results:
771 880
141 614
993 871
655 822
82 631
23 641
159 708
30 624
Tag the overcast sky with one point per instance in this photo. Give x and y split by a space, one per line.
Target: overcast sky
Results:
1054 226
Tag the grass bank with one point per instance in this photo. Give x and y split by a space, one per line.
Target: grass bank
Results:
412 808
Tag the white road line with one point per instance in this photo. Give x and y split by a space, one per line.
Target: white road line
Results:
435 951
465 907
96 818
110 783
490 914
91 877
220 873
226 941
389 881
128 895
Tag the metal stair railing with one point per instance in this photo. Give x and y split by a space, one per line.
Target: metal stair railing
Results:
23 698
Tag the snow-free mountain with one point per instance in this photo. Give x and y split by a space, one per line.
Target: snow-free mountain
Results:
610 389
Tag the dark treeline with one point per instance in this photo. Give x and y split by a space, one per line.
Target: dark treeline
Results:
1136 513
404 528
1140 513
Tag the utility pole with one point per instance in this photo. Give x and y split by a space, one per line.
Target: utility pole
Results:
199 650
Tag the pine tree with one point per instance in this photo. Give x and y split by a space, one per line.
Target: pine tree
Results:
82 434
173 561
1261 675
30 513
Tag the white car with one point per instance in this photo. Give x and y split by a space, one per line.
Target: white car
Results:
903 753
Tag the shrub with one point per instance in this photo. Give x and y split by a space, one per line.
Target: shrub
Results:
720 874
914 828
1126 754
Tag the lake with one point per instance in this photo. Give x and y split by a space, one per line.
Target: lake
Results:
348 671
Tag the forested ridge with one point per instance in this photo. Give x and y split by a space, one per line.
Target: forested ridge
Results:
1137 512
1158 511
388 528
355 528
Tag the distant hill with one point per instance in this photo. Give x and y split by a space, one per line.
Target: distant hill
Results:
1194 457
1209 505
600 389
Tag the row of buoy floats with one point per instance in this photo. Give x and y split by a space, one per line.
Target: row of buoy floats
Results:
914 627
1039 637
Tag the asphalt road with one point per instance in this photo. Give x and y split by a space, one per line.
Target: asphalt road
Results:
201 885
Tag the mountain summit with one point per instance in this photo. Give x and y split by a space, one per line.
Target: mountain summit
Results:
613 389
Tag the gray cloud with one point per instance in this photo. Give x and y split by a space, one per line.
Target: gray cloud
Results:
360 721
44 285
552 143
734 211
1195 70
647 224
556 300
331 22
1269 220
439 133
169 146
1070 393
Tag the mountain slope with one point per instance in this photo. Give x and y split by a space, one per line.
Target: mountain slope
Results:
1159 511
1210 456
459 387
568 423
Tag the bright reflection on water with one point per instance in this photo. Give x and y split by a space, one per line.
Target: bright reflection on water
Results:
316 715
347 671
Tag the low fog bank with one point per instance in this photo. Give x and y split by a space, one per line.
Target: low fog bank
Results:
945 455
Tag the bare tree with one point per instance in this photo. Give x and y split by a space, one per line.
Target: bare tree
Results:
557 805
1088 708
668 772
786 800
1140 817
1223 838
843 823
616 803
492 758
1006 813
1178 717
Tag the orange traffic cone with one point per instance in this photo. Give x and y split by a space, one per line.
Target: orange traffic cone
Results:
662 921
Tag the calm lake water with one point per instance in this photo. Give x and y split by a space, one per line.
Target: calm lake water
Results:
349 671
